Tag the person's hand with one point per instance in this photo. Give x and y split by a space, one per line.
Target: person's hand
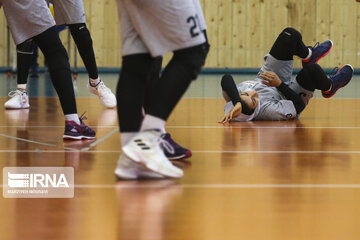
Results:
235 112
271 79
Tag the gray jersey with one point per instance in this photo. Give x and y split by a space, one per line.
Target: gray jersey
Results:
200 15
157 26
69 11
27 18
273 105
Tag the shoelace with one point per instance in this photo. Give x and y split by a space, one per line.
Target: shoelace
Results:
82 117
18 92
166 145
316 44
334 71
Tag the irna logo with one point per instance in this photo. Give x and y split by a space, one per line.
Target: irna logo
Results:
18 180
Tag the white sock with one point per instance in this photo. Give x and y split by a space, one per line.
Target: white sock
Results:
126 137
309 55
21 87
72 117
151 122
329 88
163 130
94 82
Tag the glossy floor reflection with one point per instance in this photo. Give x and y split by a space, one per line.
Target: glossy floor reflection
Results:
260 180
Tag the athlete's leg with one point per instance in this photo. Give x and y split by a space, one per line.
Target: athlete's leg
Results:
184 67
59 68
83 41
19 98
312 77
288 44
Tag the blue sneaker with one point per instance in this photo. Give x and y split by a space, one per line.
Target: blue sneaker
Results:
319 51
74 131
339 80
178 153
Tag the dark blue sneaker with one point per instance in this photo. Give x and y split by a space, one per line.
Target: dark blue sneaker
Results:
339 80
74 131
178 153
319 51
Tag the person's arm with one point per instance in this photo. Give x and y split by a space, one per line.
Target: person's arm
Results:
229 87
271 79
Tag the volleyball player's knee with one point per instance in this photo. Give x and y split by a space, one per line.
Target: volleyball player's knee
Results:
192 59
312 68
295 34
81 34
26 47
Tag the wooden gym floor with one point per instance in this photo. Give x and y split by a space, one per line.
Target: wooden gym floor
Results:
259 180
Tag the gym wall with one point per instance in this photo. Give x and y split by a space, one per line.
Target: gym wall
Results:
241 32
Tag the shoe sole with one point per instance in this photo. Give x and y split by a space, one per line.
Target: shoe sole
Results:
184 156
329 96
13 108
67 137
145 163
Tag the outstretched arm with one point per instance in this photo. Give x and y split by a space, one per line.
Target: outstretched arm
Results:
271 79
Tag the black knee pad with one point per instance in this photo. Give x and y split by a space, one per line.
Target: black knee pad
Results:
26 47
80 34
295 34
192 59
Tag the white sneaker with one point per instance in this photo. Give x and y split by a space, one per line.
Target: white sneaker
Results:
130 170
146 148
107 98
19 99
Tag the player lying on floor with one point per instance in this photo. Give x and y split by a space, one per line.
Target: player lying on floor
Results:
273 95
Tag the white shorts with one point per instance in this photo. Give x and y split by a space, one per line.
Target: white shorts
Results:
158 26
69 12
27 18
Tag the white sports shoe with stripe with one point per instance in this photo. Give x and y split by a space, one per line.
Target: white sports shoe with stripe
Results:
18 100
127 169
146 149
107 98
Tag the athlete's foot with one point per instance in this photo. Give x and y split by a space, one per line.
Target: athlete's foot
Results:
74 131
18 100
339 80
319 51
127 169
107 98
146 148
179 152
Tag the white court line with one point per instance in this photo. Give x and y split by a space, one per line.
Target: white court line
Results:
208 127
35 142
193 151
106 136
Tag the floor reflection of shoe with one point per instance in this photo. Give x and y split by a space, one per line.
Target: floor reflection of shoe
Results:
108 117
127 169
179 152
17 117
107 98
18 100
147 148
